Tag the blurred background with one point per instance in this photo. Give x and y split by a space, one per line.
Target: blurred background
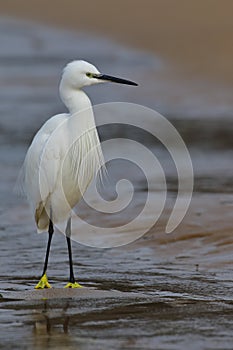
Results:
181 53
195 35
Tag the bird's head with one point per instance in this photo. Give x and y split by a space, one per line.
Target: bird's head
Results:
78 74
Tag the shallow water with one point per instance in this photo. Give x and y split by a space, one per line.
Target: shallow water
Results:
183 281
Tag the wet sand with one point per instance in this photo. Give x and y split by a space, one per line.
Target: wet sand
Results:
182 281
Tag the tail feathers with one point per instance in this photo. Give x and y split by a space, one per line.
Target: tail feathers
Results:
41 218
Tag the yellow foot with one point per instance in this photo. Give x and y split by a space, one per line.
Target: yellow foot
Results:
73 285
43 283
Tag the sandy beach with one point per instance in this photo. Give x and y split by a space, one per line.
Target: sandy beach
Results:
196 35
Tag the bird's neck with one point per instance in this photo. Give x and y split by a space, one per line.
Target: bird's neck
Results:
75 100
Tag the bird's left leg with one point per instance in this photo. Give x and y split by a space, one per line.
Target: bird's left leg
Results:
71 283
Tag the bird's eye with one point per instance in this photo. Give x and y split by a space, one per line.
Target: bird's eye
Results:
89 75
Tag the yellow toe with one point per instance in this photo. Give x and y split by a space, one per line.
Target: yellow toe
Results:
43 283
73 285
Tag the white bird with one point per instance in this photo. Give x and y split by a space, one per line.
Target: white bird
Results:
64 157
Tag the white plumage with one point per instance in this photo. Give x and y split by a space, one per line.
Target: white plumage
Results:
55 171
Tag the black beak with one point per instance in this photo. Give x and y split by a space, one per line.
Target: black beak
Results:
114 79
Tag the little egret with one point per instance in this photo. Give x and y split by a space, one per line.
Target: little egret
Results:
54 178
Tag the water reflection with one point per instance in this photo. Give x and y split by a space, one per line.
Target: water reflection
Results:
51 327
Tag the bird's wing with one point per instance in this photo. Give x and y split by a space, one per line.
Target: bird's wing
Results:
41 165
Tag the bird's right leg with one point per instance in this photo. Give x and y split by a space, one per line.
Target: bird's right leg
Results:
43 282
72 283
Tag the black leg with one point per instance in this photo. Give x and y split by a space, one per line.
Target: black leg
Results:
50 232
68 234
